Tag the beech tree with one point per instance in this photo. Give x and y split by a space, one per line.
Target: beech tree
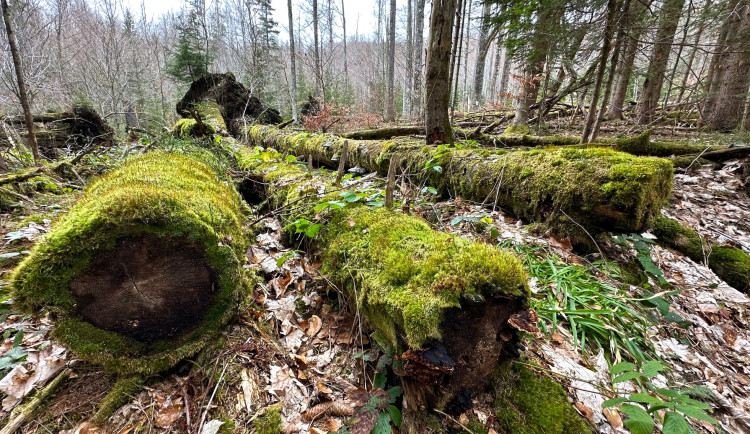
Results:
437 82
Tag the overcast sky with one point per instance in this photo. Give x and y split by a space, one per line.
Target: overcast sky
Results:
359 13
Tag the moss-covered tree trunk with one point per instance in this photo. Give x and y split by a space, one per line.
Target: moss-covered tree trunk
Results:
145 267
566 188
443 305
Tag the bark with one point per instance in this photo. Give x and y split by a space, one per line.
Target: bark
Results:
346 57
547 24
418 103
146 267
669 17
454 46
603 56
293 60
718 60
611 76
390 110
573 186
630 48
437 83
316 54
468 310
409 76
22 91
483 49
694 51
731 92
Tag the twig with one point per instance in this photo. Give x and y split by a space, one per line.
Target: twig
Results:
454 420
210 400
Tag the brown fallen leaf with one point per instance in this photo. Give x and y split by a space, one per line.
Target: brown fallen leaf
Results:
613 416
587 412
315 325
168 414
328 408
323 388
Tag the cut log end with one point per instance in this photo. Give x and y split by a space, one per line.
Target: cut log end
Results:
148 288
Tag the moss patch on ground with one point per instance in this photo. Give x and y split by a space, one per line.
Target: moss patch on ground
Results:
730 263
529 403
162 194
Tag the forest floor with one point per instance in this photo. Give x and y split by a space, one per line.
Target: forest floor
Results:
303 354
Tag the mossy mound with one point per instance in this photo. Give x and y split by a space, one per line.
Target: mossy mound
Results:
731 264
187 128
158 196
529 403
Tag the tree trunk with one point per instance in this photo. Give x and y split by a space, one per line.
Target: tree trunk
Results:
316 54
346 57
390 109
611 76
505 76
409 75
550 187
437 83
630 48
293 60
725 114
22 93
466 311
146 267
457 27
483 49
668 19
694 51
418 103
603 57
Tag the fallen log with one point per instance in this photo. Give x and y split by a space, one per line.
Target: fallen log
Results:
77 129
502 140
643 145
730 263
565 188
445 306
145 267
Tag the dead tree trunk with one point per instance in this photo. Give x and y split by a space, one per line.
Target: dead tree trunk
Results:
418 103
449 329
390 108
293 60
483 49
146 266
22 95
437 82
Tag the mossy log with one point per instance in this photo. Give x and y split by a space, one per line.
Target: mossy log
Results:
730 263
643 145
568 188
502 140
76 129
442 304
145 267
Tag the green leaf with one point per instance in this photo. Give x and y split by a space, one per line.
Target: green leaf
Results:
695 413
646 399
313 230
652 368
438 169
18 339
394 392
657 407
675 423
383 425
638 421
626 377
378 381
621 367
613 401
395 414
668 392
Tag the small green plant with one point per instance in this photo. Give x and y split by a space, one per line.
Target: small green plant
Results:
669 407
641 245
369 197
304 226
287 256
15 356
599 315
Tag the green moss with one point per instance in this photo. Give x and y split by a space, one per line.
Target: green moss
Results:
269 423
210 113
186 128
160 193
529 403
642 145
118 396
729 263
732 265
517 129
